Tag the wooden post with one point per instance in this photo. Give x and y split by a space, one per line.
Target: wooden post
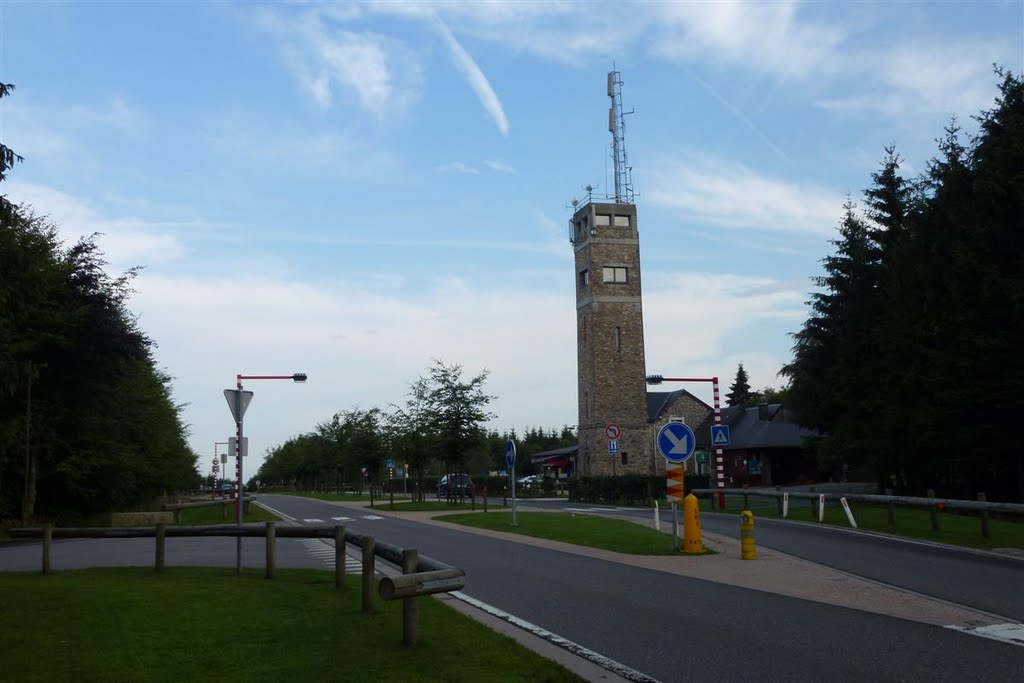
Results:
746 497
934 511
472 497
47 546
485 497
177 516
778 499
368 607
984 517
892 509
410 608
271 549
161 535
339 557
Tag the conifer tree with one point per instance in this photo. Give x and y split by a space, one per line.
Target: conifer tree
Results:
739 393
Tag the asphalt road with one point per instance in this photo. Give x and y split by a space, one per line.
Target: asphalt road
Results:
984 581
677 628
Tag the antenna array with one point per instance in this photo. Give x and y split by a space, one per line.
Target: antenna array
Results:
617 127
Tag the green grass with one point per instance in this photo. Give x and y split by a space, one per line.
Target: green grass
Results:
192 624
911 522
215 515
430 506
588 530
339 497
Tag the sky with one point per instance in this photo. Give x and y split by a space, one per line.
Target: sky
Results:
352 190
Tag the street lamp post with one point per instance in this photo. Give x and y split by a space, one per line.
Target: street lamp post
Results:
238 410
719 455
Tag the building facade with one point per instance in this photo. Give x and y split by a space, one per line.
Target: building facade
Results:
610 340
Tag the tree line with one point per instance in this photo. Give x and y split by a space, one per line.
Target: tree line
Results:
87 422
910 362
439 429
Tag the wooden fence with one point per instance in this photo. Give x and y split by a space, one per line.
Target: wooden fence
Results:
421 575
933 504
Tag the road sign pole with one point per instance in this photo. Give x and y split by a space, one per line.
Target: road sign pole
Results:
238 472
719 457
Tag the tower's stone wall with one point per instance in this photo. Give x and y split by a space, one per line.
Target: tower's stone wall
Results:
610 340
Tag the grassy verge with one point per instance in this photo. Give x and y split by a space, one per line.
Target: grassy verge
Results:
911 522
215 515
594 532
430 506
341 497
132 624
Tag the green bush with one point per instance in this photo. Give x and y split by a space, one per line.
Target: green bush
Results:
629 489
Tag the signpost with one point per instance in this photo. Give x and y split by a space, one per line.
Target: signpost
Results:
612 431
510 461
675 443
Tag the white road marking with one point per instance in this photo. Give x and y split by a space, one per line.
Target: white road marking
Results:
1005 633
325 553
575 648
372 517
342 519
314 521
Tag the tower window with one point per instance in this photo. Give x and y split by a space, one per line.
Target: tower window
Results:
601 219
584 277
614 274
622 221
618 339
625 458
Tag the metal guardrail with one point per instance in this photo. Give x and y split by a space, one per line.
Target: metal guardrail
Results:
421 575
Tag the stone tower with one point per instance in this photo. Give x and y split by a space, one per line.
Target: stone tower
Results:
609 319
610 339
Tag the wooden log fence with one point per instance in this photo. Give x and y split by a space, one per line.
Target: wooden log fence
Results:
421 575
931 503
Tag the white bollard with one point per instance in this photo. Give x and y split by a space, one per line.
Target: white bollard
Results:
785 504
657 517
849 513
821 507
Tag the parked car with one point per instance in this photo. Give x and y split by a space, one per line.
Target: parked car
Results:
454 485
529 481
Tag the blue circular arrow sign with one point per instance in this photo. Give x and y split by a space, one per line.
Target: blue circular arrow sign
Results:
676 442
510 453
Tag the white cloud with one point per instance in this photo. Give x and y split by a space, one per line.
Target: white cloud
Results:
458 167
728 194
476 78
767 37
690 317
126 241
912 78
499 166
379 70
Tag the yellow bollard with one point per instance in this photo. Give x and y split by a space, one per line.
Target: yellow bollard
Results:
747 549
693 542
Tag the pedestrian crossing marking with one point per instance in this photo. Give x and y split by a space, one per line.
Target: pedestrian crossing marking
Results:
313 521
325 553
372 517
342 519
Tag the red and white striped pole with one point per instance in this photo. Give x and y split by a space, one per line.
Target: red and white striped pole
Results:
719 456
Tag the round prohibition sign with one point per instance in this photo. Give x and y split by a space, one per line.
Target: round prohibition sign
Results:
613 431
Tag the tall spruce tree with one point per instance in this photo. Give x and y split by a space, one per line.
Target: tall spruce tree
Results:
739 392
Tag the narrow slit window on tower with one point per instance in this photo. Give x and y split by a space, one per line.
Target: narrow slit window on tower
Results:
585 277
614 274
625 458
618 339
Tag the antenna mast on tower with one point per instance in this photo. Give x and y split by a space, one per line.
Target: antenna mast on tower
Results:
617 127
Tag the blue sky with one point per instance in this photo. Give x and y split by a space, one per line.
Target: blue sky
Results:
353 189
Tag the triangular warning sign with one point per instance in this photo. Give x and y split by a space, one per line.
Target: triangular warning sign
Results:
238 402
